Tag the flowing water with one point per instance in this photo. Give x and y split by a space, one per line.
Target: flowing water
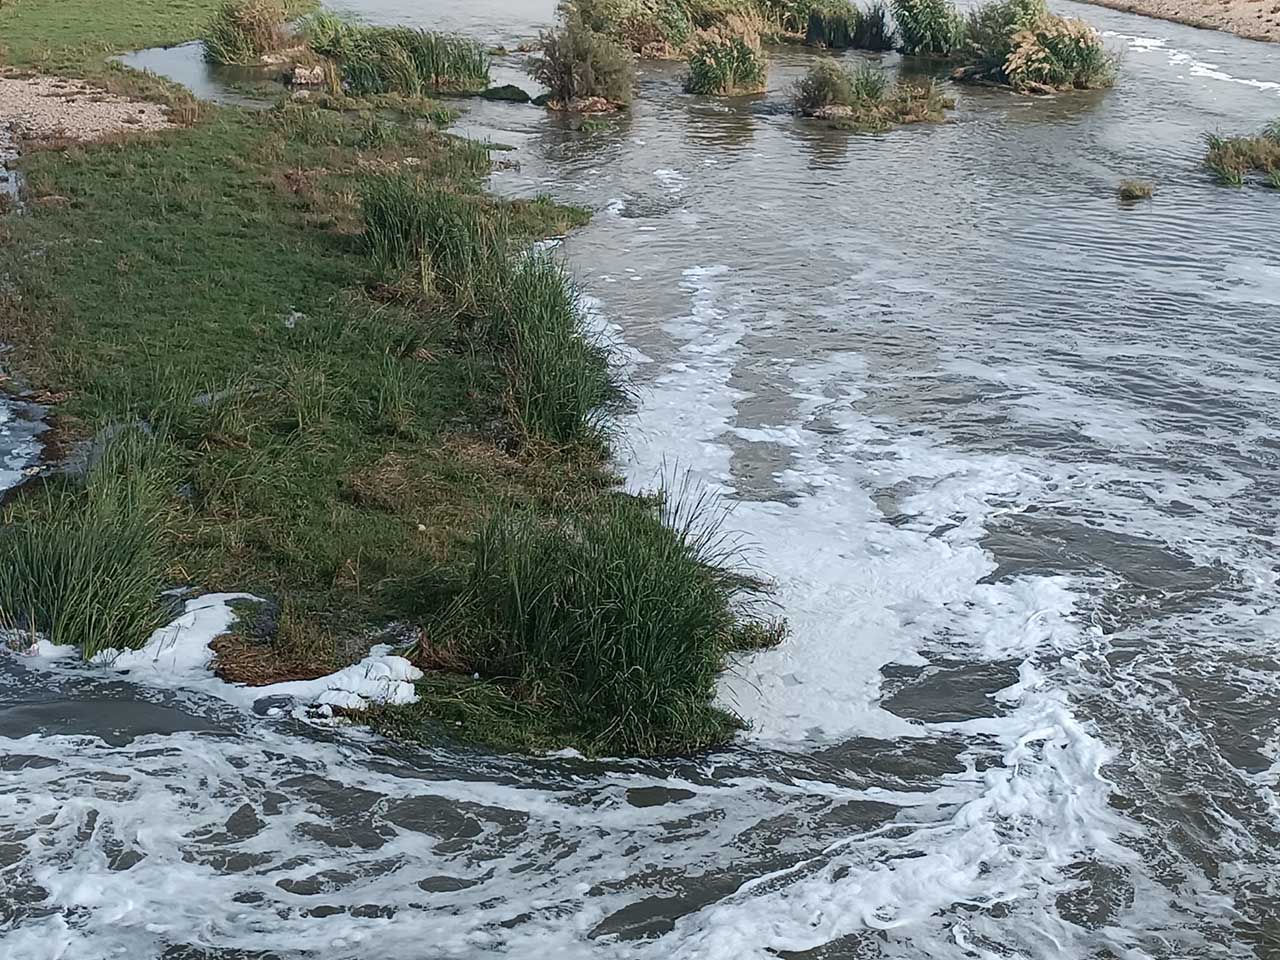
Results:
1011 453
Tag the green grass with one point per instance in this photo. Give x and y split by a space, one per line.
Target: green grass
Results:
348 392
1020 44
31 29
927 28
243 31
577 63
465 255
1233 161
399 60
726 63
617 619
205 243
84 563
861 98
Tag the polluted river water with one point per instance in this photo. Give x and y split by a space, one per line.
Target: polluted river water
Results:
1010 451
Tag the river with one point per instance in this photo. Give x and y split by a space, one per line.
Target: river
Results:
1010 452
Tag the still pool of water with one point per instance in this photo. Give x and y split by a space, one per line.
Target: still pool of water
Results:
1011 453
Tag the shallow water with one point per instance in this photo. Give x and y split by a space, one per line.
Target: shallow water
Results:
1010 452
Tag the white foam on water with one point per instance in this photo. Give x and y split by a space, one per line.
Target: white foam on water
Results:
179 656
859 593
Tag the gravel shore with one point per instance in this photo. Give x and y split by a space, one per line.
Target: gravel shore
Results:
38 108
1251 19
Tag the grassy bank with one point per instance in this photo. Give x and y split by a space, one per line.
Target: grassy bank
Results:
305 355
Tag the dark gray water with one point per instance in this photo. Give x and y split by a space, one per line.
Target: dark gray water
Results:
1010 450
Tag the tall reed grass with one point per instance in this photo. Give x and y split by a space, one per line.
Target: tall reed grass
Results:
84 564
400 60
727 61
619 619
577 63
927 28
241 31
520 306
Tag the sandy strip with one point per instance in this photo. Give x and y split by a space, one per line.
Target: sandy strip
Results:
1251 19
38 108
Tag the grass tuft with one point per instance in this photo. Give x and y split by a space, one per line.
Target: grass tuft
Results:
1130 191
861 98
617 620
83 564
398 60
579 64
1233 160
727 61
927 28
243 30
1019 43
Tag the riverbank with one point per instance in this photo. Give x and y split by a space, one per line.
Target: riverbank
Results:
302 353
1250 19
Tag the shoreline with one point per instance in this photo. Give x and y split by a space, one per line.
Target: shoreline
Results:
1247 19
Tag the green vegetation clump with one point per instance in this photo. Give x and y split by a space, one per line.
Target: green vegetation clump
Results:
1019 43
833 24
861 98
399 60
1131 191
617 620
839 25
578 64
243 30
726 61
1232 160
928 28
83 563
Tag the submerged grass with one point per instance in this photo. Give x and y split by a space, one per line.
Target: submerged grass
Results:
862 98
83 563
399 60
1131 191
1234 160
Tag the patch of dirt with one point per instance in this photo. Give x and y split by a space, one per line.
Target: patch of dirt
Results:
1251 19
43 108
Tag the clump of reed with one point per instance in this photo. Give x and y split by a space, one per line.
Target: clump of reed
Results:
1021 44
618 619
1232 160
927 28
242 31
578 64
1131 191
84 563
520 307
727 61
839 25
398 60
862 98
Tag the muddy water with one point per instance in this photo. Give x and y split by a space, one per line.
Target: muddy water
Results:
1010 451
